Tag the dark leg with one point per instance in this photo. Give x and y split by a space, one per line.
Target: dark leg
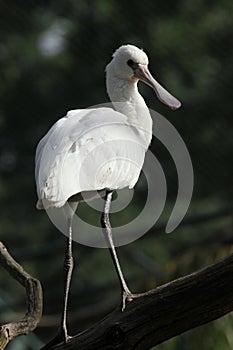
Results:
126 294
62 335
68 268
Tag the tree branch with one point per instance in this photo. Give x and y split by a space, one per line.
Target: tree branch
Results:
34 300
163 313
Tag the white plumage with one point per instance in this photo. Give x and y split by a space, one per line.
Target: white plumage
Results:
87 150
101 148
98 149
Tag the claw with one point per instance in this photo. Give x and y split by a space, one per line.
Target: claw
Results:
127 297
60 337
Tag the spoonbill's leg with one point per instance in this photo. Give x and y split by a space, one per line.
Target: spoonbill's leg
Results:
62 334
126 294
68 268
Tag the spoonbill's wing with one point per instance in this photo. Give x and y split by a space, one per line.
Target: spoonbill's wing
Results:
88 150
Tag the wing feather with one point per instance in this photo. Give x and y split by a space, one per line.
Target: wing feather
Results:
88 150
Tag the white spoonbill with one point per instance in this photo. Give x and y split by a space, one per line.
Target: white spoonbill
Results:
66 165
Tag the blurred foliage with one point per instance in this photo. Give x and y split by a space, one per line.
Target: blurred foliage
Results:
52 59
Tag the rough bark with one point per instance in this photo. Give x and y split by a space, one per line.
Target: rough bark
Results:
34 300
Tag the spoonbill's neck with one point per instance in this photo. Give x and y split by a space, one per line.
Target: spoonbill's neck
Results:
126 99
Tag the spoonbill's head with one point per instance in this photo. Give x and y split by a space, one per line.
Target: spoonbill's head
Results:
131 64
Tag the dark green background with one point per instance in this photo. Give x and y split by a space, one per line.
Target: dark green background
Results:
52 59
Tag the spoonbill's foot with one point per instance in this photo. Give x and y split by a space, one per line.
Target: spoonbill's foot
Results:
60 337
127 297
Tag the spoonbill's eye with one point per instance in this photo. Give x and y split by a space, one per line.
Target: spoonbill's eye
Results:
132 64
